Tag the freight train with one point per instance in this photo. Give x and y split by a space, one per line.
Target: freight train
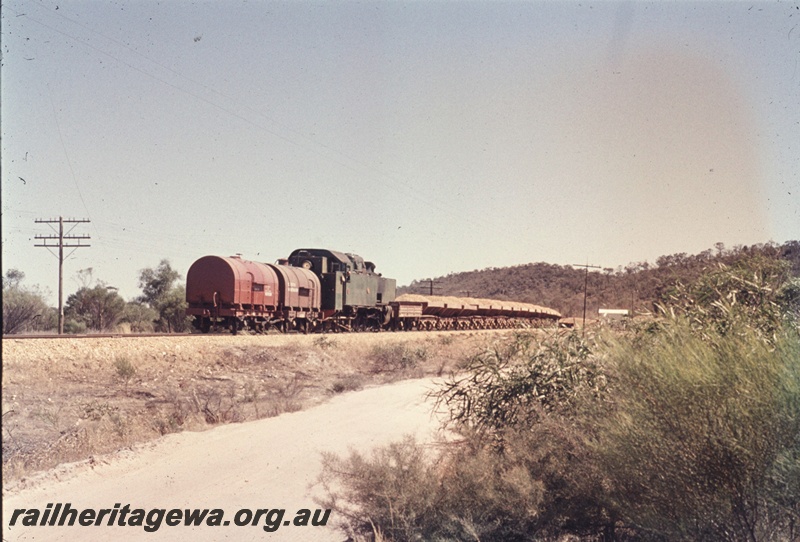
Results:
324 290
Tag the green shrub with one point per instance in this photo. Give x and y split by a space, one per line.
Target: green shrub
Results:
75 327
703 439
397 357
758 293
24 308
514 384
345 383
522 471
671 437
686 427
124 368
323 342
394 489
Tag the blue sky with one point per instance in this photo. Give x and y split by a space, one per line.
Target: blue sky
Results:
428 137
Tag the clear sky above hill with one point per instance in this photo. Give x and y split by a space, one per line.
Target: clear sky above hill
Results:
429 137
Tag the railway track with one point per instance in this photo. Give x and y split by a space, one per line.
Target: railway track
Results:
98 335
223 333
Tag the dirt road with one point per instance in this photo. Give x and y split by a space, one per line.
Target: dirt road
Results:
265 464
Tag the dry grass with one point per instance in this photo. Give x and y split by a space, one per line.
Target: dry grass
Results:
67 400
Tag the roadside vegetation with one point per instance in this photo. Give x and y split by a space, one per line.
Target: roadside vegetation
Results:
684 426
24 307
70 400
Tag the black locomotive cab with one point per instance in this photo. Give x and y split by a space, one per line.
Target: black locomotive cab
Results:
349 284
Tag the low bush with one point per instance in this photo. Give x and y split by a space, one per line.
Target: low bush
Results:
345 383
124 369
704 435
397 357
684 428
514 384
521 470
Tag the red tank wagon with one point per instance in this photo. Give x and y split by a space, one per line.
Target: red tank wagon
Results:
240 294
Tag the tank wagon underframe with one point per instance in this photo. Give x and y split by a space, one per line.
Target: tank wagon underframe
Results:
256 320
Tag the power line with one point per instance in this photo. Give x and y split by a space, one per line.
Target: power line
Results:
61 241
385 178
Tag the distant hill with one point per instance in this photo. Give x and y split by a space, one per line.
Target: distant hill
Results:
637 286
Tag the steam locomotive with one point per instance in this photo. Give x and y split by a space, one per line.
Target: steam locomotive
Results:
324 290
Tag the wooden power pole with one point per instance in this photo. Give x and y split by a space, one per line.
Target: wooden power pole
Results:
585 288
431 283
61 241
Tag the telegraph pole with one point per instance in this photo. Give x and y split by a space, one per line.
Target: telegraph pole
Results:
61 241
431 283
585 288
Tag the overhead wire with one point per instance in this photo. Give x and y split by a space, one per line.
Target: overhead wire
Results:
395 184
234 109
66 154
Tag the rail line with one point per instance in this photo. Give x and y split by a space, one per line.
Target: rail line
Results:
225 333
99 335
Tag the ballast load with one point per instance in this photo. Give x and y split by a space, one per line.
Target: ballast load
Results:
325 290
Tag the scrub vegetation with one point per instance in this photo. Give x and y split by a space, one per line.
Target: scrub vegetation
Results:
683 426
67 400
98 308
638 286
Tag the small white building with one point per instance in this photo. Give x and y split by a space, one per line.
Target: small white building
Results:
613 314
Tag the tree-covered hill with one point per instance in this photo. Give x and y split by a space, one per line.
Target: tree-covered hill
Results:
636 286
